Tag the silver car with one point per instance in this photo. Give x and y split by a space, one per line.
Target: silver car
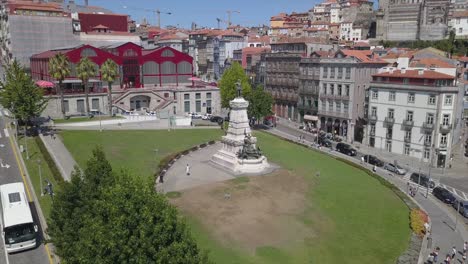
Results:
395 169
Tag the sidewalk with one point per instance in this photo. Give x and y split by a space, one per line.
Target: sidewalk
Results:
62 157
448 228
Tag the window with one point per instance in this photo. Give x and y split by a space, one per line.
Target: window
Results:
66 106
445 120
408 135
325 72
187 106
208 95
95 104
430 118
88 53
345 107
374 111
388 145
375 94
339 89
448 100
409 115
198 96
458 20
348 73
347 90
324 105
332 89
372 129
428 139
411 98
432 100
324 86
427 153
186 96
198 106
407 149
332 72
338 106
330 106
391 113
391 96
340 72
460 30
167 53
443 139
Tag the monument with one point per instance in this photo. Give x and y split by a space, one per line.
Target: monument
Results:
239 152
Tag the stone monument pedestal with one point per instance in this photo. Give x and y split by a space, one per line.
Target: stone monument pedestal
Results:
239 153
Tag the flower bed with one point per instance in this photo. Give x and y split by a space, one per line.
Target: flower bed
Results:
417 220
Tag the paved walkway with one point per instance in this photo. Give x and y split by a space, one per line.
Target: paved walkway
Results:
62 157
448 227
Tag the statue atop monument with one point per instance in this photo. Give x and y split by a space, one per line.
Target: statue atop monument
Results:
238 89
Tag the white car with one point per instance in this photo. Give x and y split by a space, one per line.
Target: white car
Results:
194 115
206 117
395 169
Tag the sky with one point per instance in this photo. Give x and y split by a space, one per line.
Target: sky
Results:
204 12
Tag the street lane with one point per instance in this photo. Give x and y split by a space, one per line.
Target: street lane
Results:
9 173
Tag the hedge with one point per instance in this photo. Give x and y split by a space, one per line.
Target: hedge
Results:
417 220
49 160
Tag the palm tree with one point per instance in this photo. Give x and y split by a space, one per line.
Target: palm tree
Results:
109 71
59 70
86 70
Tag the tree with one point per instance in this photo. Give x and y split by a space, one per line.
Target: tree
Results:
59 70
105 217
20 94
109 71
227 85
260 103
85 70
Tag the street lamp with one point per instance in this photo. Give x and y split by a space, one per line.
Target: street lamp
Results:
40 176
26 143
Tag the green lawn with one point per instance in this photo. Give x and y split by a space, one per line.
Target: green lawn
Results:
361 220
137 151
85 119
33 170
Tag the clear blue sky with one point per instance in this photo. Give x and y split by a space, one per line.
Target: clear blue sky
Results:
205 12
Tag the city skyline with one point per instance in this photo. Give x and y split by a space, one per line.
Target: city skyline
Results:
184 15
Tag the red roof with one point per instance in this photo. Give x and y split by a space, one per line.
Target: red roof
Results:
426 74
114 22
460 14
364 56
431 63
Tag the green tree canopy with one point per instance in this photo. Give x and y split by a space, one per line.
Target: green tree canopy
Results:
20 94
260 103
59 69
109 71
227 85
105 217
85 70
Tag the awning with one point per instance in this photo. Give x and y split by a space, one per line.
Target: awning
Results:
79 81
310 117
45 84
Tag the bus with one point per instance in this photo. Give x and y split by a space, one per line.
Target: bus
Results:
18 228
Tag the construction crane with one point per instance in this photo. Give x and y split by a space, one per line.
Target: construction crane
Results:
230 12
156 12
221 20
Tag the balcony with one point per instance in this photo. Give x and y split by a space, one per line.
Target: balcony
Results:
428 126
427 143
373 119
445 128
334 114
407 140
443 145
407 124
388 136
389 121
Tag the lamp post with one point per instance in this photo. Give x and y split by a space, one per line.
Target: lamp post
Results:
26 143
40 176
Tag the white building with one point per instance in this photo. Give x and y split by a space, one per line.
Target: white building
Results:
345 30
335 13
414 113
459 23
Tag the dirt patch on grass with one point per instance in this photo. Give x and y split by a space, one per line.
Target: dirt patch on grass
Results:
251 212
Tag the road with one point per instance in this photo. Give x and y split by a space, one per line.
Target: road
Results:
10 174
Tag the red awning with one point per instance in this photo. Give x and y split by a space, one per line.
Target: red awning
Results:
44 84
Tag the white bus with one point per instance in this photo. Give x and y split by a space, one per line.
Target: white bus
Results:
19 230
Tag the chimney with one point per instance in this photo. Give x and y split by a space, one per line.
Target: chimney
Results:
420 72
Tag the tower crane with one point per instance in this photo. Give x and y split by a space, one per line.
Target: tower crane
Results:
221 20
230 12
156 12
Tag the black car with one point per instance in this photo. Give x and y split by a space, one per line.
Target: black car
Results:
346 149
216 119
422 179
444 195
323 141
373 160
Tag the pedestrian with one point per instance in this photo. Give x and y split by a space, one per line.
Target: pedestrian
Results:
465 247
454 252
374 169
447 259
435 253
362 159
187 170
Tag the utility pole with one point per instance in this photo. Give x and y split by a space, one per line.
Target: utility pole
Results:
229 16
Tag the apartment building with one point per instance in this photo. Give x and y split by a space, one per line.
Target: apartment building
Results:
332 90
415 113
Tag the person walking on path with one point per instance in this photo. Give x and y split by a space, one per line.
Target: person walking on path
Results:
447 259
454 252
465 250
187 170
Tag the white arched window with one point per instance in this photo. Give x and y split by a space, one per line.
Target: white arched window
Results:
167 53
168 68
150 67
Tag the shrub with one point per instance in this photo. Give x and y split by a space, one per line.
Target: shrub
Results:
417 220
49 160
211 142
194 148
203 145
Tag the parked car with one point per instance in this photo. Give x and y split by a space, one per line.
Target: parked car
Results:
323 141
206 116
194 115
346 149
216 119
423 180
395 168
373 160
444 195
462 207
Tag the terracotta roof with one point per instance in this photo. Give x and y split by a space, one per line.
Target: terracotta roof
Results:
111 33
172 37
287 39
361 44
100 26
255 50
320 23
427 74
322 53
460 14
364 56
430 63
